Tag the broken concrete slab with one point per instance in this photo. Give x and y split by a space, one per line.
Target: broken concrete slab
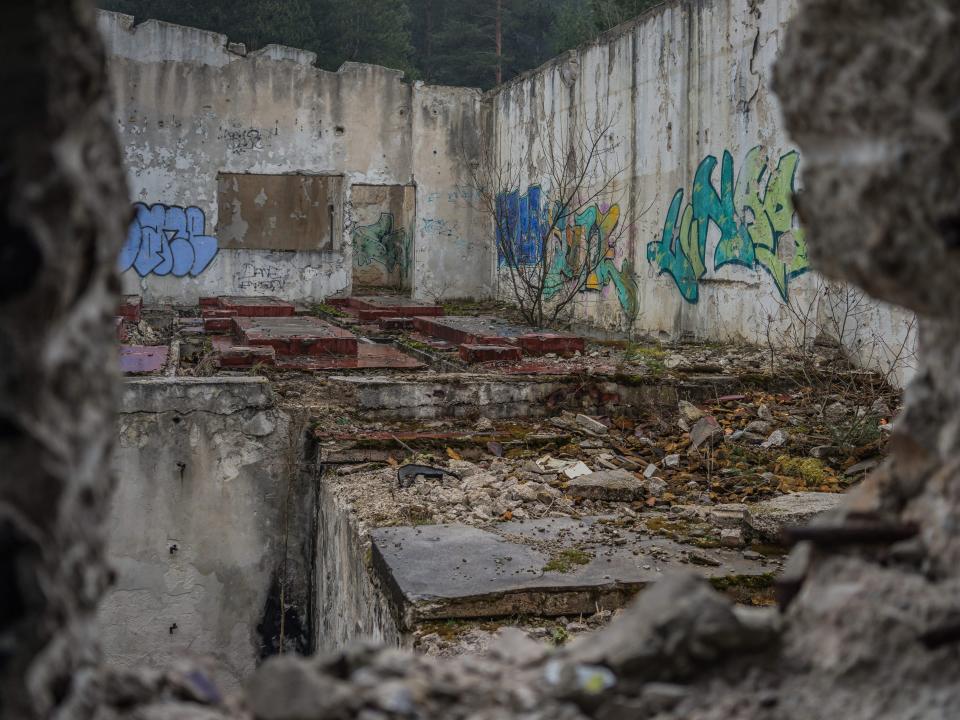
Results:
594 426
770 518
611 485
704 430
545 567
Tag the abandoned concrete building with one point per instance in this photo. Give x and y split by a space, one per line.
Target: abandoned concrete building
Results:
337 424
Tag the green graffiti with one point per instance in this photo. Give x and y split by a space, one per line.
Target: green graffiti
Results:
585 247
381 244
755 216
580 248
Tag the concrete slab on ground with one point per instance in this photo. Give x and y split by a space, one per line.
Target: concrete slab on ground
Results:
295 335
370 308
550 567
143 359
487 330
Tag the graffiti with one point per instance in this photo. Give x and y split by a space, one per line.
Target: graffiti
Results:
580 247
382 244
167 240
266 278
439 226
755 217
241 141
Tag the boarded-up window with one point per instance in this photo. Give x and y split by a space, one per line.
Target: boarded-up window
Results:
280 212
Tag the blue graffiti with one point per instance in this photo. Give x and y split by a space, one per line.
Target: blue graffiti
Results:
520 221
167 240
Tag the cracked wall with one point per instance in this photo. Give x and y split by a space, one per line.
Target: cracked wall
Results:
706 239
191 106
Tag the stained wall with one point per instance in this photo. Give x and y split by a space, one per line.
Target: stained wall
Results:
689 192
191 107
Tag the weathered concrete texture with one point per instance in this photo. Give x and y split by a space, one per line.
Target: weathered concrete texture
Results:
208 527
349 607
466 396
545 567
694 127
190 109
453 256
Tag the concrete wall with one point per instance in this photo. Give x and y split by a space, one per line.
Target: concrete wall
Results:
191 106
692 127
198 533
349 607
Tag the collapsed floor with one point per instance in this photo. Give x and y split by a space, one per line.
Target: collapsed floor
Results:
468 474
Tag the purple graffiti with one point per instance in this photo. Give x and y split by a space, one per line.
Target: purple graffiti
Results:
167 240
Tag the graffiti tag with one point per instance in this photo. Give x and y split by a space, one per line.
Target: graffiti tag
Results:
382 244
241 141
265 278
580 247
167 240
755 217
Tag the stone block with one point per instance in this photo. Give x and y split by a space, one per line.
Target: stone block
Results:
611 485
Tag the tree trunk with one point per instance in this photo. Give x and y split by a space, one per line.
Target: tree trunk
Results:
64 215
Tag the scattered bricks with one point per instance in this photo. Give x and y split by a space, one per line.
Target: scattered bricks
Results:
489 353
258 306
240 356
130 308
396 323
543 343
338 302
209 302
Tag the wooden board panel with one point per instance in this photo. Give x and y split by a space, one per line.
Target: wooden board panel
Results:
280 212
